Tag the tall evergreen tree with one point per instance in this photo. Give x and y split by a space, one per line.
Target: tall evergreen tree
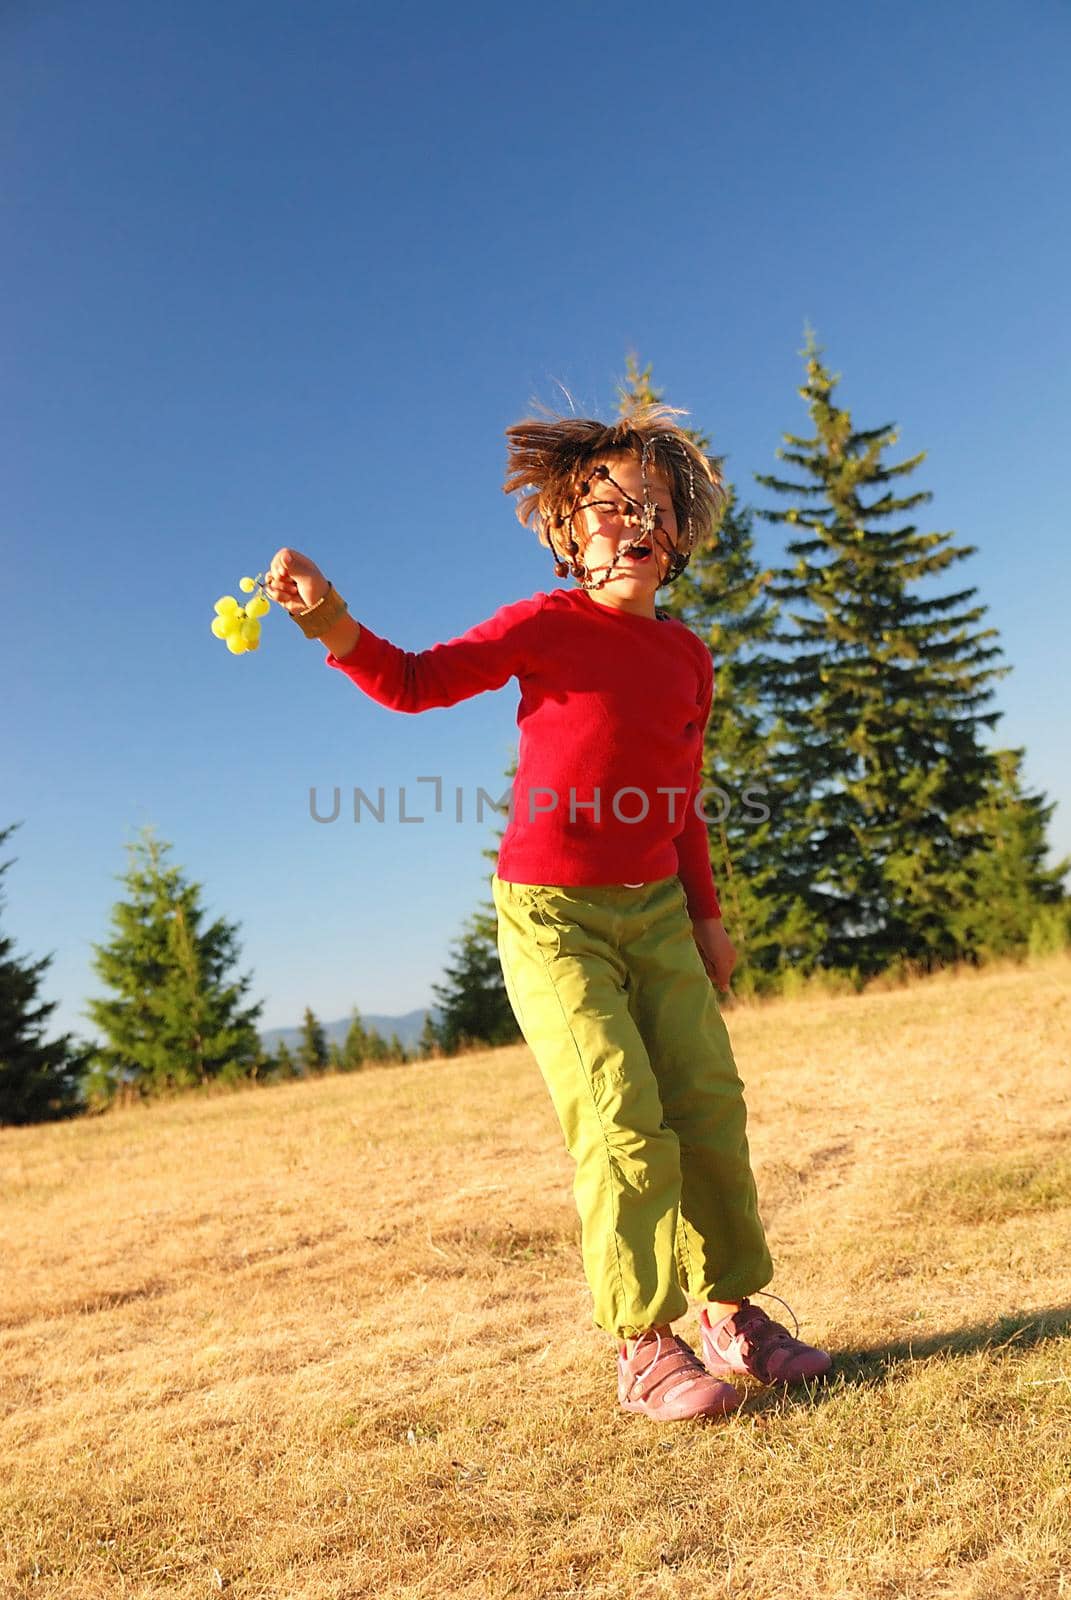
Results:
312 1048
39 1078
723 596
178 1017
883 694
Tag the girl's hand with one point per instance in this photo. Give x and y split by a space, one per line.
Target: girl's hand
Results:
293 581
716 949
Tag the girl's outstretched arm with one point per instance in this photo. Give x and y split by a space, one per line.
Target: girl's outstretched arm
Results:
501 647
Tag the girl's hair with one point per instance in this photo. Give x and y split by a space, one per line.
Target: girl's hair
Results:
548 462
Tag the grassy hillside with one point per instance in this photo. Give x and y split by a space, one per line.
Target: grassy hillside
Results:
333 1339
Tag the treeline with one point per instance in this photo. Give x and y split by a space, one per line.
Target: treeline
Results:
361 1047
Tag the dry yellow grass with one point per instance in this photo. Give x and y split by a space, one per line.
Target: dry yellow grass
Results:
333 1340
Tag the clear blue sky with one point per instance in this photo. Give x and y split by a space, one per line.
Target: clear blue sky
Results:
283 274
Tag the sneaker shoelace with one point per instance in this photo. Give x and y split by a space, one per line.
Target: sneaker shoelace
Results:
795 1320
759 1335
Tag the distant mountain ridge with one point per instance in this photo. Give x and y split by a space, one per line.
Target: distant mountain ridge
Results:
408 1028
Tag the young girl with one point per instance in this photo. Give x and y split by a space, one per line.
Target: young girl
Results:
611 976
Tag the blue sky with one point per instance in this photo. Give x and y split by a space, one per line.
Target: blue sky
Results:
276 274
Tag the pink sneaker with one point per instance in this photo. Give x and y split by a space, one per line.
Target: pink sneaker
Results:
663 1378
749 1343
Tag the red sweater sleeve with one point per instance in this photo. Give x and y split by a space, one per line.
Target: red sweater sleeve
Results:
485 657
693 843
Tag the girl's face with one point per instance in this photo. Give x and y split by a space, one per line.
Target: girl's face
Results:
612 521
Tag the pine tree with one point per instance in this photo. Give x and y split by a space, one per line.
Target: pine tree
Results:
262 1068
39 1080
474 1007
723 597
312 1049
396 1050
493 1001
283 1066
473 1002
377 1047
1013 896
355 1045
178 1019
882 695
429 1044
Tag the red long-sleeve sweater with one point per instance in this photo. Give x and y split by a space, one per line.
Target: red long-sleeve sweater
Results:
612 715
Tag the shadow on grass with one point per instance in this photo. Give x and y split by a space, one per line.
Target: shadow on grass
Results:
870 1366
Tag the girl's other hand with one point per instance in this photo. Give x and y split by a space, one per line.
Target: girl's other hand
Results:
293 581
716 949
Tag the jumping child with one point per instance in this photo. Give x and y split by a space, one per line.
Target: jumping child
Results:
612 978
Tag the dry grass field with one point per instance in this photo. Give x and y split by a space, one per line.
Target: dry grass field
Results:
333 1340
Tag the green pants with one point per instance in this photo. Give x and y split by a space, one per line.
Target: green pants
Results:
615 1004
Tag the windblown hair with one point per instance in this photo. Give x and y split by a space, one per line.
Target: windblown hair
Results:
549 460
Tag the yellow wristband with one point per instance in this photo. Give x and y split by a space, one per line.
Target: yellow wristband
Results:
316 621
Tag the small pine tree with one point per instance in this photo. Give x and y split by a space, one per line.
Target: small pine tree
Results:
355 1046
378 1048
284 1066
430 1043
1010 893
312 1049
39 1080
475 1008
396 1050
177 1019
473 1004
262 1069
488 1007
